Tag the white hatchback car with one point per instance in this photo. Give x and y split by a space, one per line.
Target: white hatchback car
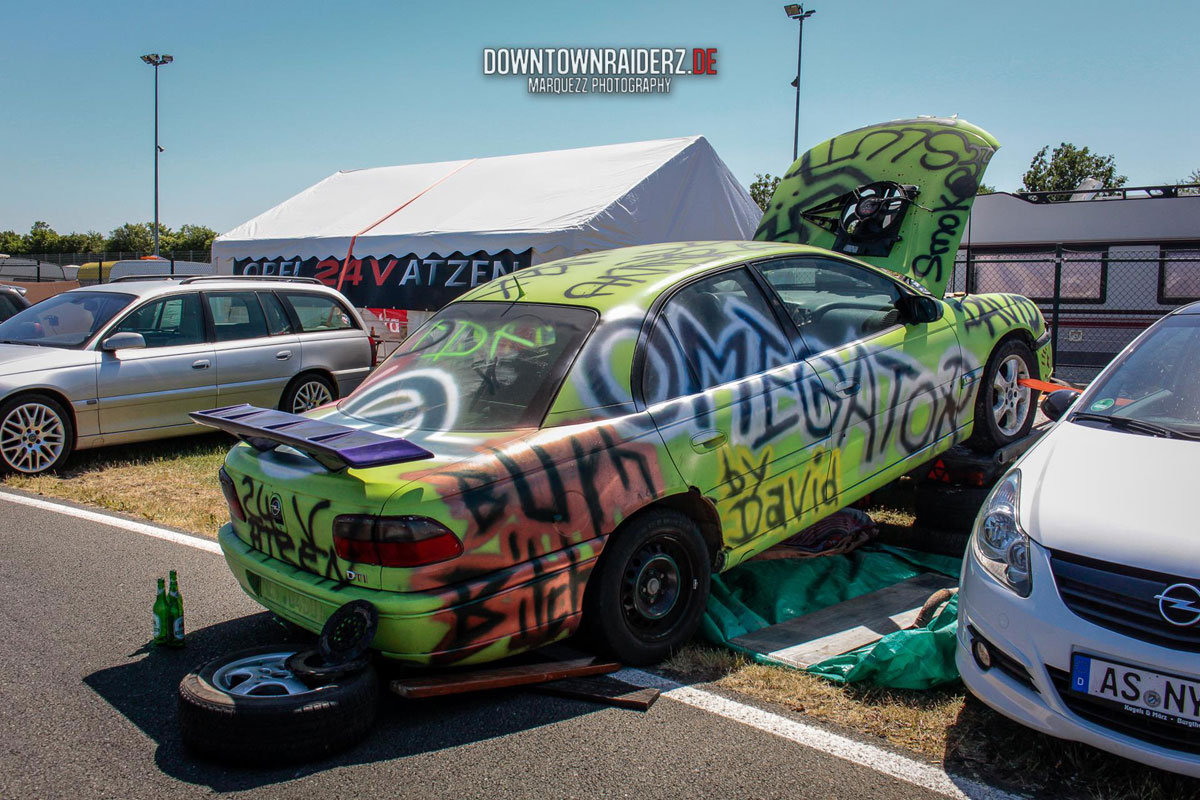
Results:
1079 612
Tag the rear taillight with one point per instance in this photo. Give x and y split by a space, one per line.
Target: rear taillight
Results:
394 541
235 505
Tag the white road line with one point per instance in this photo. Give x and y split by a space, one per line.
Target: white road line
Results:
102 518
925 775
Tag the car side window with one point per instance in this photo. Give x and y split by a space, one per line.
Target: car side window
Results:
8 305
726 329
666 373
833 302
236 315
277 318
318 312
167 322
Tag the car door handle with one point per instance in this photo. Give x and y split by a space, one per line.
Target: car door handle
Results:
200 364
846 388
707 441
283 355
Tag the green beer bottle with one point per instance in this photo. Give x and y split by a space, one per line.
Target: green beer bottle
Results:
175 613
162 616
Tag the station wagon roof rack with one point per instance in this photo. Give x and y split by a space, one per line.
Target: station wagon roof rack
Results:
282 278
158 277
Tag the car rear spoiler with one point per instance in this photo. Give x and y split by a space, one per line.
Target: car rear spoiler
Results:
334 447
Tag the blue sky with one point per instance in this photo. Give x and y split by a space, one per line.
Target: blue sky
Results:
266 98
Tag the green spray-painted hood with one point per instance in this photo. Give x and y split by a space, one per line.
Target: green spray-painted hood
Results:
938 162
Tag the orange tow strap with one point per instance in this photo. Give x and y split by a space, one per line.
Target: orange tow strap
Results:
1045 386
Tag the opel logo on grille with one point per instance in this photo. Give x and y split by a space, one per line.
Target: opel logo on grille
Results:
1179 604
276 506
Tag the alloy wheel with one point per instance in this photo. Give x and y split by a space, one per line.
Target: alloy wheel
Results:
32 437
309 395
263 675
1010 400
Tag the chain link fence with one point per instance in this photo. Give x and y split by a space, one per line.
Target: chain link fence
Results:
1095 300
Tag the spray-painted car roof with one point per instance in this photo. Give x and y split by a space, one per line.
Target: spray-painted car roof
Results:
626 275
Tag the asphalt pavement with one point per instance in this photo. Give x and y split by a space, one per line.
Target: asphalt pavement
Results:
87 709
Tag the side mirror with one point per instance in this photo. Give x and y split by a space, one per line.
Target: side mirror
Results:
1055 404
122 341
915 309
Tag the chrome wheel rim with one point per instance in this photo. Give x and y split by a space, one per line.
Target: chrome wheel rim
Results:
32 437
264 675
1011 400
310 395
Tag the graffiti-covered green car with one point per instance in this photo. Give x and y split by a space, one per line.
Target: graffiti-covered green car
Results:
586 442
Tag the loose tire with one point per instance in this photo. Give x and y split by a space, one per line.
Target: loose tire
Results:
306 392
1004 410
246 707
36 434
649 589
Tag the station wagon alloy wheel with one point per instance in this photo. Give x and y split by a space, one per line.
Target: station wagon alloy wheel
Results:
1011 400
310 394
32 437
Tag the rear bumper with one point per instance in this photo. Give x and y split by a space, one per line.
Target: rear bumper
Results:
473 622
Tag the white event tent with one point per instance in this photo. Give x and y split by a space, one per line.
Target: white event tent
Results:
413 237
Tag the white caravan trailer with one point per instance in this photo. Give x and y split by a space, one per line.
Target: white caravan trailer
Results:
1121 258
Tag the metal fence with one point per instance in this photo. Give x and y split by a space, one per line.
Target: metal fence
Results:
39 267
1095 300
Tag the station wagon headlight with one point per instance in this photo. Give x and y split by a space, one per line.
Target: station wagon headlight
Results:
1000 546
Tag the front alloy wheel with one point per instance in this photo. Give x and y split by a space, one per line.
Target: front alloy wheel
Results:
1011 400
35 435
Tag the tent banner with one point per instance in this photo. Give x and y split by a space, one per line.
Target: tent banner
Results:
419 283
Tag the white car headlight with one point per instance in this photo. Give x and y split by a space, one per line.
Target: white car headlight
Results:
999 544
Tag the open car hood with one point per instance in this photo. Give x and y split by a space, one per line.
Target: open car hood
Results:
896 194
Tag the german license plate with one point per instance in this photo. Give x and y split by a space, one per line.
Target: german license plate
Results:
293 601
1139 692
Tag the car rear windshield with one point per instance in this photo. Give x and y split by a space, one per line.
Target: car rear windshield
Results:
1157 381
475 367
65 320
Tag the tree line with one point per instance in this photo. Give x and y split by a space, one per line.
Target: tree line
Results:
132 237
1060 171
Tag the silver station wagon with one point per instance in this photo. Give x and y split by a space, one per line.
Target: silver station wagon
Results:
126 361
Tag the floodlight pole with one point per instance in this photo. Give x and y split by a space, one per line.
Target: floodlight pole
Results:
798 13
156 61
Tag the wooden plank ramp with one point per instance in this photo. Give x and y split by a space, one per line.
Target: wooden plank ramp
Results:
480 680
601 689
812 638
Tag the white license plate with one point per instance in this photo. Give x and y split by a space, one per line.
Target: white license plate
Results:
1139 692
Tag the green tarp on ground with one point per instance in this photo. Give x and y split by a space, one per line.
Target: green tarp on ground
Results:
760 593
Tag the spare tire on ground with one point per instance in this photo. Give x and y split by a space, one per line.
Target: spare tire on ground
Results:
248 708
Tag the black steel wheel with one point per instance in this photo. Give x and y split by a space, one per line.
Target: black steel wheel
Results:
647 594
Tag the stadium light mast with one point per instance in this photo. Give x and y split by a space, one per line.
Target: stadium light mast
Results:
156 61
797 12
